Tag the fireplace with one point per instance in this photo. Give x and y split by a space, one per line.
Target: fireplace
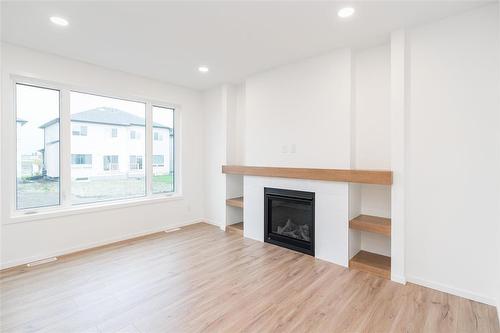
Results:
289 219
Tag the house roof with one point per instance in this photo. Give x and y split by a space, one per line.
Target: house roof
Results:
21 121
107 116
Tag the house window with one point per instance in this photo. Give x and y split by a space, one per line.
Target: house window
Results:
110 163
158 160
81 159
100 173
163 150
37 127
135 162
80 131
157 136
109 177
135 135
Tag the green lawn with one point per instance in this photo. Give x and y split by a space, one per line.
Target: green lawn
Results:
163 179
46 192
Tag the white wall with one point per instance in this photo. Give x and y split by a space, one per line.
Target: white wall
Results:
372 144
298 115
222 132
453 155
235 148
214 149
27 241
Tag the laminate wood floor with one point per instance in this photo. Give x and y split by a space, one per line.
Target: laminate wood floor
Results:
202 279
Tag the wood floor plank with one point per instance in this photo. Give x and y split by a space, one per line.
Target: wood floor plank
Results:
201 279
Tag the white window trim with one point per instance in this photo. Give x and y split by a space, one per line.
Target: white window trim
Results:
65 208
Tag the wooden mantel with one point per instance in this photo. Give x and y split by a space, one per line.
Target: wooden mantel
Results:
380 177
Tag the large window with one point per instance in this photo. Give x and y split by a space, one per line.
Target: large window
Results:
163 150
105 158
115 178
37 126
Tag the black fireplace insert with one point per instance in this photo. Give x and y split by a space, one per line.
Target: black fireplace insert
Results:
289 219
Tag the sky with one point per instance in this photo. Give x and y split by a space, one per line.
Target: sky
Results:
38 106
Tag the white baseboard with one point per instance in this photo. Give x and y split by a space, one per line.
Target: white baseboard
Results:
222 227
451 290
398 278
24 261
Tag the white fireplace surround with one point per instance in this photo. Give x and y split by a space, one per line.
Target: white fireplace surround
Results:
331 213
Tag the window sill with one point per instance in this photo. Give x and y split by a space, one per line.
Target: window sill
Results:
91 208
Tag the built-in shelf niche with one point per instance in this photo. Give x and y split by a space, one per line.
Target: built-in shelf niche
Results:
234 201
369 236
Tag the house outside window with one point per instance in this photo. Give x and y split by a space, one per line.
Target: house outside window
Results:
135 162
81 159
110 162
38 135
157 136
80 131
101 163
158 160
163 150
134 135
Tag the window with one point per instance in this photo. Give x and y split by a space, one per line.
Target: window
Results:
109 177
99 168
135 162
37 127
80 131
110 162
157 136
158 160
163 151
135 135
81 159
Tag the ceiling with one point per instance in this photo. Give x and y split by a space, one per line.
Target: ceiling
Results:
169 40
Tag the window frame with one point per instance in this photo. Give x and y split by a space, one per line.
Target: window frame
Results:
14 156
174 150
13 215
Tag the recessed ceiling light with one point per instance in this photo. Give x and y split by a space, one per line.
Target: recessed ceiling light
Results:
59 21
203 69
345 12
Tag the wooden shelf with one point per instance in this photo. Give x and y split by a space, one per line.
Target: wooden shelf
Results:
235 202
237 228
380 177
372 263
378 225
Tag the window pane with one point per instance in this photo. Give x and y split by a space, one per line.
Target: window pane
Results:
81 159
163 150
110 174
37 146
